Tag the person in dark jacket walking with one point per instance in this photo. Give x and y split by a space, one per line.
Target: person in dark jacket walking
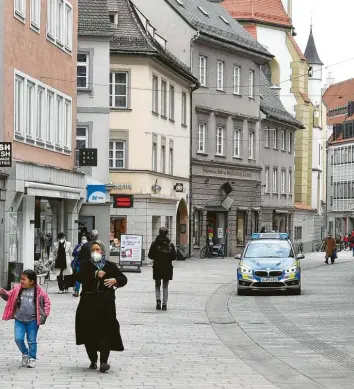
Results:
162 252
96 323
85 252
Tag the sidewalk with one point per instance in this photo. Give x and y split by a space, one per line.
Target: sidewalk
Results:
173 349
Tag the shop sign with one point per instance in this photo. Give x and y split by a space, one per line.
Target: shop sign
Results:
96 194
179 187
88 157
227 172
123 186
123 201
220 233
131 247
5 154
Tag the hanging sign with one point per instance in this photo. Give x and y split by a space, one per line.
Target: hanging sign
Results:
5 154
96 194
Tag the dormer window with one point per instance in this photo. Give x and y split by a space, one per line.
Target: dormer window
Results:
202 10
113 17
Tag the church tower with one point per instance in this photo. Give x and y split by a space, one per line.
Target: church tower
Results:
315 71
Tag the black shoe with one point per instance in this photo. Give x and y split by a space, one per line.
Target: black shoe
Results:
158 305
93 366
104 367
164 307
326 262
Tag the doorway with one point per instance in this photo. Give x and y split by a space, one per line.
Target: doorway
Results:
216 226
118 227
182 224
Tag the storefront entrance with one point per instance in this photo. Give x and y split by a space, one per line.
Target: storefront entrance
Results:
182 224
216 226
118 226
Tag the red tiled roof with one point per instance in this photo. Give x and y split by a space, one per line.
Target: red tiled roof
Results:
338 95
266 11
303 206
336 119
251 29
297 47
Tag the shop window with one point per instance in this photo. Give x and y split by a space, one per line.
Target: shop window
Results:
168 223
118 226
241 227
298 233
255 222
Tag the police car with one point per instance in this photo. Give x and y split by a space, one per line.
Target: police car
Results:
269 263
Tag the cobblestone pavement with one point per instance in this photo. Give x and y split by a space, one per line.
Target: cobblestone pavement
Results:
209 337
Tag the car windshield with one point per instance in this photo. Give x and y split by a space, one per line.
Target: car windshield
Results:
269 249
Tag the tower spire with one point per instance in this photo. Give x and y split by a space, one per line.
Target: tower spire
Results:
311 53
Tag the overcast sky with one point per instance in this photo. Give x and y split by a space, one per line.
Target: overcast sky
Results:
333 28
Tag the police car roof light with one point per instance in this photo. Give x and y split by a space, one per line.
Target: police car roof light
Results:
284 235
270 235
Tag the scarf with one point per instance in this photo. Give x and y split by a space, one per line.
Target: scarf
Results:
100 265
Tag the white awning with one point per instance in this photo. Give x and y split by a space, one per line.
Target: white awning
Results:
53 191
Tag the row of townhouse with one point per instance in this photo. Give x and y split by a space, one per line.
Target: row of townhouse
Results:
189 130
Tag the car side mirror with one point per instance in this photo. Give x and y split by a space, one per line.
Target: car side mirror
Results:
300 256
238 256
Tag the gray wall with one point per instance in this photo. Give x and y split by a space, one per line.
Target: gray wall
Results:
93 104
280 159
237 105
2 38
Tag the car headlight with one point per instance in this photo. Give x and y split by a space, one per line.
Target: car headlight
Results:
291 269
245 270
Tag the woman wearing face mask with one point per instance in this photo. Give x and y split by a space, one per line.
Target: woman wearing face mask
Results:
61 258
96 324
75 264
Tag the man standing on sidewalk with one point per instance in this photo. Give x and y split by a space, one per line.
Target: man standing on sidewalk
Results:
330 245
162 252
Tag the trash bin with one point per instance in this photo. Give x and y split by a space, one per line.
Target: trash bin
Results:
15 270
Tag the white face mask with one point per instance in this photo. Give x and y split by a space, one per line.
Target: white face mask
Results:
61 240
96 257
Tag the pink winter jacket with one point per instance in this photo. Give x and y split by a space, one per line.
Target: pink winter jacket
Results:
43 309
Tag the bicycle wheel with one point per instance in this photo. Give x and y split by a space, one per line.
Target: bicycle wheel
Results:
210 252
203 252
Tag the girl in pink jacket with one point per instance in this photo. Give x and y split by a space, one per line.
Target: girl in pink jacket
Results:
29 305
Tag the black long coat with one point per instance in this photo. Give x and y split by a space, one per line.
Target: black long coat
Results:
96 322
162 267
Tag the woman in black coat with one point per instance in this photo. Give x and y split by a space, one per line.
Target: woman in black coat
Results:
96 324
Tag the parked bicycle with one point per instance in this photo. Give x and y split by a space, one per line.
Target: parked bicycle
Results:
212 250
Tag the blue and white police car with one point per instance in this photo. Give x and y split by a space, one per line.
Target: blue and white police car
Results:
269 263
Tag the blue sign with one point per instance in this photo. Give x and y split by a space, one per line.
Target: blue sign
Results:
96 194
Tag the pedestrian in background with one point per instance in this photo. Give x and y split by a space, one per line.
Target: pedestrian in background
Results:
29 305
96 323
48 241
330 245
85 252
75 264
162 252
61 258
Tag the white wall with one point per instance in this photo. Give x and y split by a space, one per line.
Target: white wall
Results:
275 41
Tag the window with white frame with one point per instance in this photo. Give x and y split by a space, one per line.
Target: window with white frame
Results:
30 105
58 120
290 182
36 14
251 145
42 115
170 161
202 70
237 79
163 159
220 75
118 90
319 153
275 138
163 98
60 23
154 156
236 143
172 102
81 141
290 142
201 137
20 9
117 154
266 178
282 182
266 137
220 141
155 94
283 140
275 180
251 84
82 70
184 109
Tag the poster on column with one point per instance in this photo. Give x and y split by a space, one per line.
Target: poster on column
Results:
131 247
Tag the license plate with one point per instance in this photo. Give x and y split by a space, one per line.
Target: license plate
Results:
270 279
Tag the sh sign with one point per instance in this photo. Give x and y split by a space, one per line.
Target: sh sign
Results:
5 154
96 194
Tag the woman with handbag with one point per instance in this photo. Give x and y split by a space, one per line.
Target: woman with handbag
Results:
96 324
